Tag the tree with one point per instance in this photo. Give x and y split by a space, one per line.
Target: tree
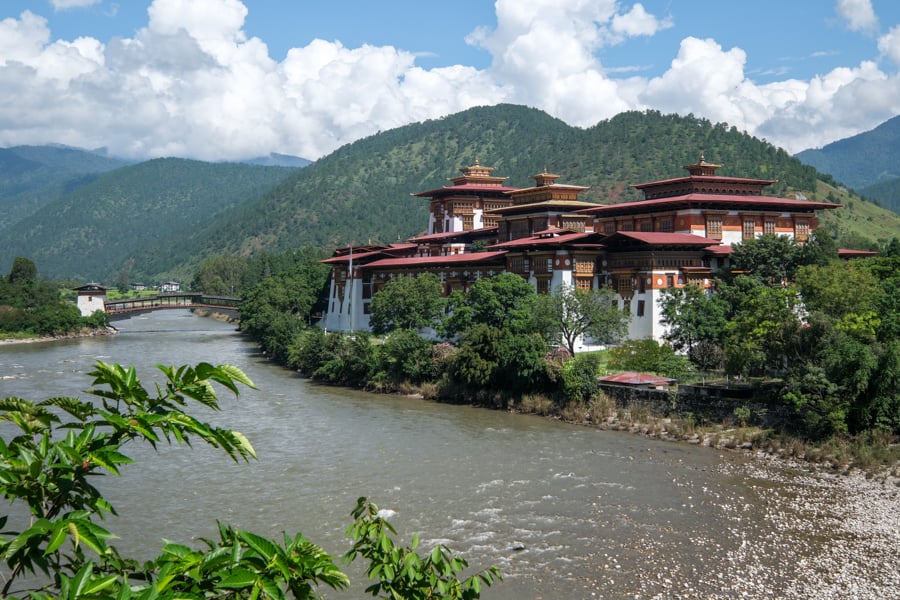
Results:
771 258
497 359
406 356
821 248
695 322
406 303
502 302
23 271
840 289
400 573
647 355
762 322
222 275
278 308
48 467
570 313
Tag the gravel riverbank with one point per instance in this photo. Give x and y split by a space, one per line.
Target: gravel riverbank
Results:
841 532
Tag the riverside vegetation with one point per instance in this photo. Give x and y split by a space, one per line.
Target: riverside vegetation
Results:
821 333
32 308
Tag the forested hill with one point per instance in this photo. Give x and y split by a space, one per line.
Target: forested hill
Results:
362 191
105 227
33 176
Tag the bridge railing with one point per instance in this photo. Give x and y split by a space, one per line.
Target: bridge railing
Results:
161 301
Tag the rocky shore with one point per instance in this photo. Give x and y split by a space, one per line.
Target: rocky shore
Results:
843 532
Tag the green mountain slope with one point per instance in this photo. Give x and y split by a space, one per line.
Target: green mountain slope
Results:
105 226
33 176
886 193
862 160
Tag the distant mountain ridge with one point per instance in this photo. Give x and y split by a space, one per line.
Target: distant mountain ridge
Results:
159 219
862 160
105 226
278 160
868 162
33 176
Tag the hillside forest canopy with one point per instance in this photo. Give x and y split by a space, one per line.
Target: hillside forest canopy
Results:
158 220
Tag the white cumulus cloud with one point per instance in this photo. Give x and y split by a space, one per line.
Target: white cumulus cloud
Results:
859 14
66 4
192 83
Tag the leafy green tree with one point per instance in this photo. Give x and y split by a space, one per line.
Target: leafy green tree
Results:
771 258
222 276
501 302
349 360
307 352
36 307
406 356
570 313
500 360
400 572
580 377
277 309
839 289
23 271
695 323
762 322
843 372
892 249
406 303
821 248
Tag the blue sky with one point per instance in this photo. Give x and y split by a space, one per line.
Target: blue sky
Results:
228 79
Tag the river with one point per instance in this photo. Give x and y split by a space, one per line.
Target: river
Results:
564 511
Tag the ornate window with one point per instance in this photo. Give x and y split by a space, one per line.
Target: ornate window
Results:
769 227
749 229
714 227
801 231
583 283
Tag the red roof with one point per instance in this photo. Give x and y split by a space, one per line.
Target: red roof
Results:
449 234
704 178
345 258
848 253
660 238
721 250
390 250
465 187
431 261
633 378
542 240
730 200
